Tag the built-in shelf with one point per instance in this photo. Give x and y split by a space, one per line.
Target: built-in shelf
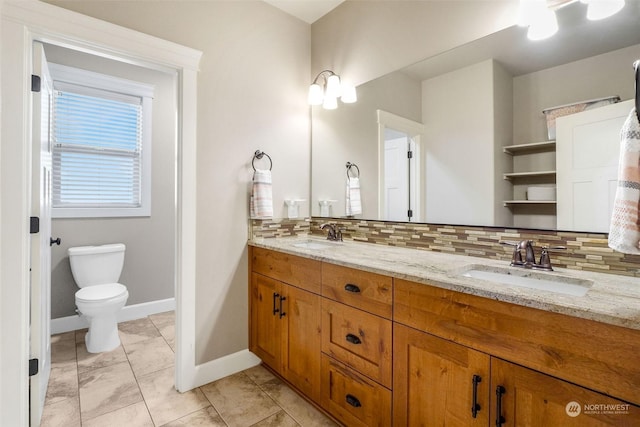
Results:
531 147
529 202
514 175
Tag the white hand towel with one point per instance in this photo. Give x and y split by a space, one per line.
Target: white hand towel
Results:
261 195
353 205
624 234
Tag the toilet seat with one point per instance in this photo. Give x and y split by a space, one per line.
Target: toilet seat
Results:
101 293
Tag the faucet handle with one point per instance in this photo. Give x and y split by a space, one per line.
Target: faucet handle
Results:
516 258
545 259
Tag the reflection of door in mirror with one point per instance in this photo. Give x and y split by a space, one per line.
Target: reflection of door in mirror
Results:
399 178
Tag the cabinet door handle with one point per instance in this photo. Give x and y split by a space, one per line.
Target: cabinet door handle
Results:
499 418
353 339
275 310
353 401
350 287
475 406
282 313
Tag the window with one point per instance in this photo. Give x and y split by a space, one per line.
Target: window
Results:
101 148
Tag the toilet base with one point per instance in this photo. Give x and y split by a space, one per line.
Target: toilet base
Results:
103 334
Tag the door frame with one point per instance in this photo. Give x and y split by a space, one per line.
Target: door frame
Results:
415 131
22 23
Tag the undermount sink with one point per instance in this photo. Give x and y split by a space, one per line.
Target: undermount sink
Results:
529 279
315 245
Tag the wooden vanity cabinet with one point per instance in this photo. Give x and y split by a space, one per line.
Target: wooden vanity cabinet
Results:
286 323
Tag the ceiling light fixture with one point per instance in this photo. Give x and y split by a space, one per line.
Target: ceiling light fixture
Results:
331 88
540 16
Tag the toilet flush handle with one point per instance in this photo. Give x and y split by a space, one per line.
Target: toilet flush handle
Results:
53 241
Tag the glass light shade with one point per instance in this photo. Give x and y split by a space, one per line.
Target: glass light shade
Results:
330 102
525 12
544 23
600 9
316 94
333 86
348 93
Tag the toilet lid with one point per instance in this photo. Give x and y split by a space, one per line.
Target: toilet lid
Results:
101 292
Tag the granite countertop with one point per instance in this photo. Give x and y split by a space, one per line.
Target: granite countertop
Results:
610 299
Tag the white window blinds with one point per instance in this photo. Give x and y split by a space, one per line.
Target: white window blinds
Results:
101 146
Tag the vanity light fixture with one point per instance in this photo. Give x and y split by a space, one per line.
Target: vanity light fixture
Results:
540 15
331 88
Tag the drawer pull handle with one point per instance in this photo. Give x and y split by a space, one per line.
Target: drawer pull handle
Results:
353 339
282 313
275 296
350 287
475 406
499 418
353 401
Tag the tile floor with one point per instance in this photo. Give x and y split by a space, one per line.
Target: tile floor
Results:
133 386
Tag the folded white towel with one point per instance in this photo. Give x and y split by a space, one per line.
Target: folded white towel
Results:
624 233
353 205
261 195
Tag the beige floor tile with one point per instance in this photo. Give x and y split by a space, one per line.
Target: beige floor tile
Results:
168 332
63 383
279 419
63 348
137 330
239 400
65 413
207 417
149 356
164 402
163 319
80 334
135 415
259 374
88 361
301 410
106 389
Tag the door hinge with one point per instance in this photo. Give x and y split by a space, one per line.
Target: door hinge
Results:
35 83
34 225
410 213
33 367
409 154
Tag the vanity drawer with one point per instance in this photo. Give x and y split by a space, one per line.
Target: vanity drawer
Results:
361 340
352 398
301 272
367 291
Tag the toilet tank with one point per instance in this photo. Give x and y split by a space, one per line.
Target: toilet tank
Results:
96 265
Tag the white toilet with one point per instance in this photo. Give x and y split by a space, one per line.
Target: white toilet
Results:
96 270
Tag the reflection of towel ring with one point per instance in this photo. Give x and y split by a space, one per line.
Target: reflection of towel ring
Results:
258 155
352 165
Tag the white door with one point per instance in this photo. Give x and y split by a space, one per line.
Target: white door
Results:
396 179
587 156
40 305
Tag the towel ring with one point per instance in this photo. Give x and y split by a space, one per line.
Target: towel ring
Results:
352 165
636 66
258 155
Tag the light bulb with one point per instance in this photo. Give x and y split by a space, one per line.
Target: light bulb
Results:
316 94
543 22
348 93
600 9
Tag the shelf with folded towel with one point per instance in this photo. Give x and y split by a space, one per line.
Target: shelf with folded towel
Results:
537 174
529 202
529 148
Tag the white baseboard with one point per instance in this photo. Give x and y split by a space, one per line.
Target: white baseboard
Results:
222 367
129 312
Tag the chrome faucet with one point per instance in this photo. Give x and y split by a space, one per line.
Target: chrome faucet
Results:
334 233
530 257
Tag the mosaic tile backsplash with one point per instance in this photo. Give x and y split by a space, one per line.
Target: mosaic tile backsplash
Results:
585 251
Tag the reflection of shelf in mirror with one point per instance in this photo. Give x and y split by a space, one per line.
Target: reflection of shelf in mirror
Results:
529 202
529 148
514 175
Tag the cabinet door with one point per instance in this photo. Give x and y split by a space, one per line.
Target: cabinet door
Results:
301 340
532 399
266 326
433 381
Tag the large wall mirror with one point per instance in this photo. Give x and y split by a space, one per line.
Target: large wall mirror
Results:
472 120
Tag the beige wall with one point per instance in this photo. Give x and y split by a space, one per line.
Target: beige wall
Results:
149 259
252 85
363 40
